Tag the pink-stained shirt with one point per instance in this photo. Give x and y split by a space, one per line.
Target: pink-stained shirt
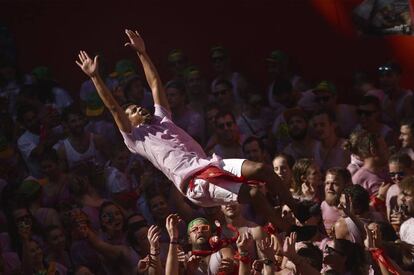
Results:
168 147
369 180
330 214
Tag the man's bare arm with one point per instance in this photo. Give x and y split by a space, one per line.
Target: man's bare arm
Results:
90 68
137 43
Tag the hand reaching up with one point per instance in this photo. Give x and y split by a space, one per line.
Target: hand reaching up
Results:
154 234
171 224
88 66
135 41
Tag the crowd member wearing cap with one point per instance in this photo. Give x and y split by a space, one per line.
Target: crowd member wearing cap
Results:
182 115
302 145
373 151
177 62
331 152
222 92
407 137
80 147
98 122
197 89
256 119
222 69
325 95
369 113
363 85
36 138
279 71
398 104
336 180
199 233
228 136
399 167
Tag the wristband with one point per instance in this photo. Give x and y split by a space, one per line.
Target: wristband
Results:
157 253
244 253
174 242
243 259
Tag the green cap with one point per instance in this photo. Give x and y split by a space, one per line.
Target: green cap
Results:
175 55
94 105
123 68
195 221
326 86
29 188
218 51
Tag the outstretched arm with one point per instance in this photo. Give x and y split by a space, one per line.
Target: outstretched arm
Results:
137 43
90 68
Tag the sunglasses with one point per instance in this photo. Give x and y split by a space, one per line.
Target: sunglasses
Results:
384 69
396 174
366 113
201 227
323 99
221 92
227 125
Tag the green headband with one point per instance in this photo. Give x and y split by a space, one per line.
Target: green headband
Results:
191 224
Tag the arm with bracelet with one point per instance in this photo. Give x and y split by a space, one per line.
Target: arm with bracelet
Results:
172 265
155 267
242 253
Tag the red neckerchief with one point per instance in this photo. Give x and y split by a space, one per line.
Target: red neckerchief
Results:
379 256
216 175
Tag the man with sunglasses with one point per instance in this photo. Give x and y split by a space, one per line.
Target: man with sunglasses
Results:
222 92
325 96
205 181
203 260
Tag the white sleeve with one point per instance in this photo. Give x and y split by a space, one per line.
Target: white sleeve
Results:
26 147
161 111
129 141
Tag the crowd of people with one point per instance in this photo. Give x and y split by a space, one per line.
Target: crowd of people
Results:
313 186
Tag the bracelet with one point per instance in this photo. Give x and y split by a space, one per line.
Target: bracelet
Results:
243 259
244 253
157 253
174 242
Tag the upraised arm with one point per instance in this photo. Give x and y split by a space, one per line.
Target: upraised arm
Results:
90 68
137 43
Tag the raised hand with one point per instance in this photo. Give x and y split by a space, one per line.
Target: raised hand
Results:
243 242
88 66
227 265
373 236
171 223
135 41
289 249
154 234
267 247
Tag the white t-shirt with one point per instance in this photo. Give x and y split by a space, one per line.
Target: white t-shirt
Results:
26 143
407 231
168 147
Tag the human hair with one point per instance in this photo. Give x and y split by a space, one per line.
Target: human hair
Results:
223 81
49 229
370 100
407 184
331 116
362 143
401 253
355 255
409 123
224 113
313 254
300 169
289 159
341 172
252 139
401 158
359 197
79 186
105 205
127 83
178 85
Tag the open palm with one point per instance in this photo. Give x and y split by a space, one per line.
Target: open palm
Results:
135 41
88 66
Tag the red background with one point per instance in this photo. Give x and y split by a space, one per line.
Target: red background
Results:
317 34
